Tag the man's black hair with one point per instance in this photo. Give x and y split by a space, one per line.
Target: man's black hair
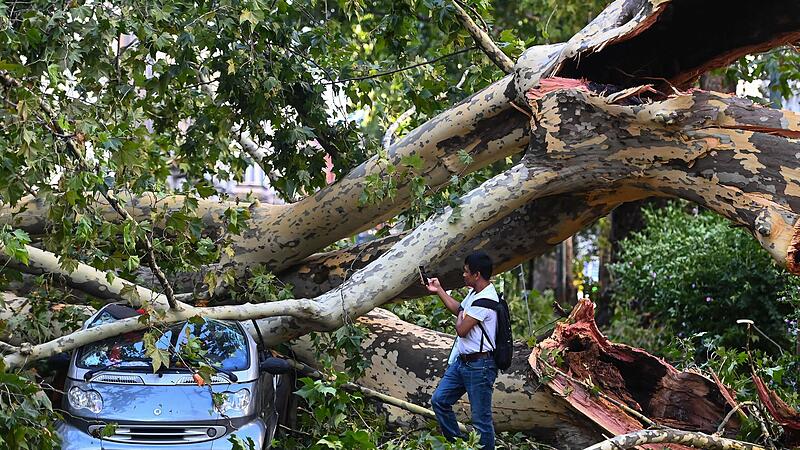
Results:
479 262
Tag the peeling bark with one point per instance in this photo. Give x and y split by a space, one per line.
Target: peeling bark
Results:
725 153
786 416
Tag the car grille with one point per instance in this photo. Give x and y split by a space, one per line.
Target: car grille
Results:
161 434
118 379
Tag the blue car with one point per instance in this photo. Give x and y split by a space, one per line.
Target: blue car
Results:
112 382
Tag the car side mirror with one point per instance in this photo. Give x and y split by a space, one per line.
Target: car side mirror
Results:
275 366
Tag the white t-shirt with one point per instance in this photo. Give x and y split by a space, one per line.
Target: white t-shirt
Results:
471 343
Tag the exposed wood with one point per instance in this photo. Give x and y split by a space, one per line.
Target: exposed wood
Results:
623 389
786 416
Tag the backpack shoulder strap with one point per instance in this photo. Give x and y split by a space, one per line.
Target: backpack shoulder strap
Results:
484 335
487 303
494 306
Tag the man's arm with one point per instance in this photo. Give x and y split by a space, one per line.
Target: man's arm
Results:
434 287
464 323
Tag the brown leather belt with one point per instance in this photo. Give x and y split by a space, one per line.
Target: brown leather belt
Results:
470 357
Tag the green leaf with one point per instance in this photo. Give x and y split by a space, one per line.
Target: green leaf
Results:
109 429
248 16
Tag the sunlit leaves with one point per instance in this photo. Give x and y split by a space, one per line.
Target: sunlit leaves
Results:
14 243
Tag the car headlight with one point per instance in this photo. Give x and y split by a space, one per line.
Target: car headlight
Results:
90 399
234 401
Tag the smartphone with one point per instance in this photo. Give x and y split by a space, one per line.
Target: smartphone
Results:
422 276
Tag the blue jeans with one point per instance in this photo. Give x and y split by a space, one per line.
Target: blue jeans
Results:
476 378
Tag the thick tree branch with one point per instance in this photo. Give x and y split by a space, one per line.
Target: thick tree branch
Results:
728 154
306 310
528 232
86 278
31 213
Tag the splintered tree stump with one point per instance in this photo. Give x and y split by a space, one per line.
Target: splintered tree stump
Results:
617 386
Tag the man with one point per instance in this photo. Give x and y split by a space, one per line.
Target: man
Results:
471 366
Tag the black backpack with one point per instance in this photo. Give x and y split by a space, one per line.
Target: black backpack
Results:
504 342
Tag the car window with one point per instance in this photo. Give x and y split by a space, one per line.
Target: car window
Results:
225 345
126 350
224 342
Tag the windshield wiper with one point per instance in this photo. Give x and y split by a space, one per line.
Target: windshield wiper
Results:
91 373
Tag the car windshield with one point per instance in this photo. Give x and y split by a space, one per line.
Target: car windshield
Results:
224 343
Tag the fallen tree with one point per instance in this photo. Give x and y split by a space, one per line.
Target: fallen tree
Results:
600 121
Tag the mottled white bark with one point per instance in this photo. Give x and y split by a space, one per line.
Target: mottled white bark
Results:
669 436
86 278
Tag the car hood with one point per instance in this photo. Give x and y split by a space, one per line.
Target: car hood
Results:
160 403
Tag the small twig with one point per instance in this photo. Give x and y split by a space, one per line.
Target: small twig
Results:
559 309
483 40
292 430
485 25
757 413
389 72
730 414
389 135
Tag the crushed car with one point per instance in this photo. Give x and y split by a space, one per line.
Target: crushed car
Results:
115 400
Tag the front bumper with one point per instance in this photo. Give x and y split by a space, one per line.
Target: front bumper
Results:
73 438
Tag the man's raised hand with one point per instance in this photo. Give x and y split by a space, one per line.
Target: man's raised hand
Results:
433 285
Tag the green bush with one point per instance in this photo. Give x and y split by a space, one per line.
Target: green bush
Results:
26 414
693 272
